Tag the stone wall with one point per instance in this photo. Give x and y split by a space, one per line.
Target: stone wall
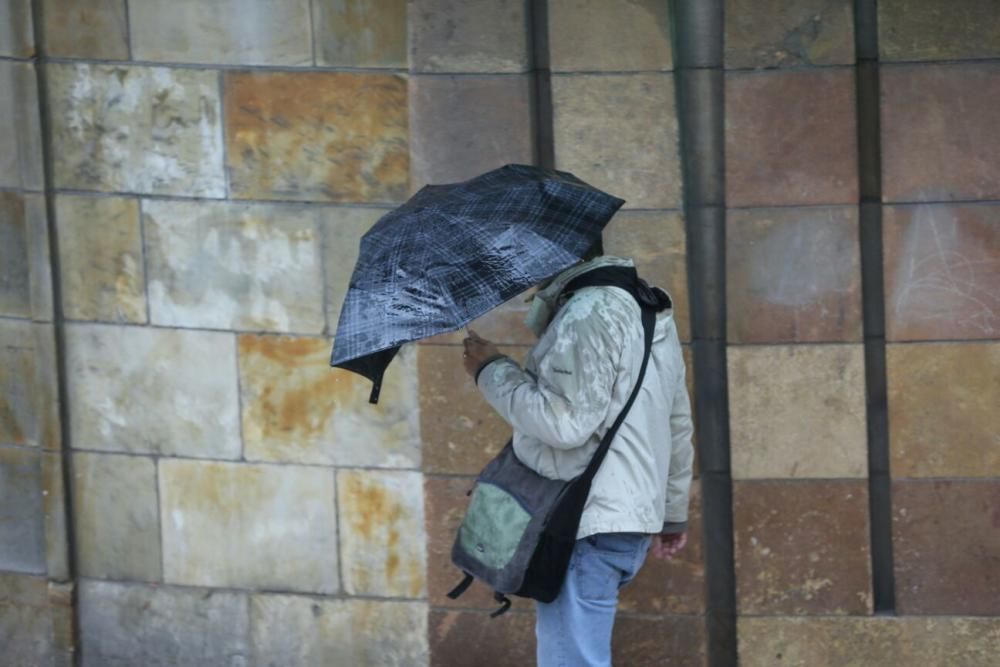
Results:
207 170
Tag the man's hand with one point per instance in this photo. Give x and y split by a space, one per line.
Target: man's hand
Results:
666 545
477 350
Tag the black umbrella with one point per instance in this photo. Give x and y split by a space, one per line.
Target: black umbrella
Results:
454 252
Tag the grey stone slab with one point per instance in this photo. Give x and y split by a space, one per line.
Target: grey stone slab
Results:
137 129
290 630
17 38
360 33
22 530
126 625
25 621
54 504
609 35
95 29
25 281
249 526
462 36
116 517
29 410
251 267
152 391
227 32
20 130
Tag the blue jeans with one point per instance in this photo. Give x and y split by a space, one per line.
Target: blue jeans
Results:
575 629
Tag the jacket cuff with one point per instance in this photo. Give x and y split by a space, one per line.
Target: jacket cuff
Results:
674 527
487 362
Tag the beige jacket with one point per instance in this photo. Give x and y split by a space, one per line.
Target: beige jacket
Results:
575 382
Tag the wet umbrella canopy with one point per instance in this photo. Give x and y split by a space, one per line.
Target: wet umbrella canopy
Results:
453 252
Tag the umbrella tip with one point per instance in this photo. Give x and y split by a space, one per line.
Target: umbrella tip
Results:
376 390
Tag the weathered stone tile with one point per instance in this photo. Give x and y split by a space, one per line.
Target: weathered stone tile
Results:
942 409
22 530
675 586
802 547
360 33
341 231
617 36
782 33
20 132
462 126
162 626
382 543
116 518
123 380
234 266
227 32
657 243
473 639
297 409
62 605
25 621
797 411
504 325
929 30
334 136
29 408
939 138
793 274
653 642
942 269
619 133
100 257
95 29
16 33
459 36
946 537
790 138
884 640
136 129
459 429
248 526
25 282
338 632
54 506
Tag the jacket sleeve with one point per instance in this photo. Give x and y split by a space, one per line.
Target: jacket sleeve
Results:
681 459
569 399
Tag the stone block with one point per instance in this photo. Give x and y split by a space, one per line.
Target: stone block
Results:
675 586
942 268
20 131
461 638
619 133
789 33
802 547
360 33
238 266
25 621
226 32
29 404
791 138
297 409
22 529
793 275
25 281
100 258
657 243
162 626
290 630
153 391
942 409
150 130
797 411
16 33
54 506
946 537
382 542
939 138
96 29
459 36
504 325
653 642
116 518
248 526
930 30
341 232
326 136
462 126
884 640
615 36
459 429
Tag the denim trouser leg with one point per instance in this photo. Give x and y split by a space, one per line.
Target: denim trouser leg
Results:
575 629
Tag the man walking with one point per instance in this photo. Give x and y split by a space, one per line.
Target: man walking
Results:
575 382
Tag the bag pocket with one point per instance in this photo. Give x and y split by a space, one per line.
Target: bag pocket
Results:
494 525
